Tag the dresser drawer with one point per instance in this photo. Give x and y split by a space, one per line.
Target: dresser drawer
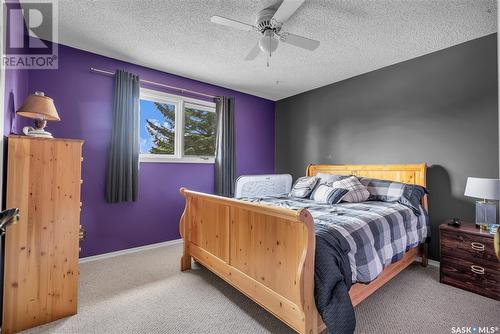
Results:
471 276
470 247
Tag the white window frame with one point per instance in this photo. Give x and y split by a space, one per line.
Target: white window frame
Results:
180 103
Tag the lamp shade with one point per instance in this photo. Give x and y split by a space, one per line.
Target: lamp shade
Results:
482 188
39 106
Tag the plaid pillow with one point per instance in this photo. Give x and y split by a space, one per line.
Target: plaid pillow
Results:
412 197
303 186
328 195
383 190
357 192
409 195
329 178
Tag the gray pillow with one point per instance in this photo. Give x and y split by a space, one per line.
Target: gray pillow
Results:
328 195
329 178
412 197
409 195
357 192
303 186
383 190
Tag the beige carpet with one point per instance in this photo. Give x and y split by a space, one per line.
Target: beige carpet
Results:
145 293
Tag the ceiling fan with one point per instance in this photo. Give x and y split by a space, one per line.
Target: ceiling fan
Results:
269 23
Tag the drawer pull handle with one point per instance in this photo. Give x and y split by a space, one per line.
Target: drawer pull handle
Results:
477 269
477 246
82 235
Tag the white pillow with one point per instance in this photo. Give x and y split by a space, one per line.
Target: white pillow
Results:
357 192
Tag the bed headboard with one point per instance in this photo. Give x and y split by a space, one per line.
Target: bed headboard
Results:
411 174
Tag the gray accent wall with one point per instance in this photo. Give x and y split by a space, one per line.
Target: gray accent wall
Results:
441 108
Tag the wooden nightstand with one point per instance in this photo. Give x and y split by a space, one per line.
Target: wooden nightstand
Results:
468 260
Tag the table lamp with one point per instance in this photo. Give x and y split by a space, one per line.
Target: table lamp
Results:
487 189
42 109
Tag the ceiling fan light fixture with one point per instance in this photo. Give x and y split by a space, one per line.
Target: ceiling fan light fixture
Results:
269 23
268 43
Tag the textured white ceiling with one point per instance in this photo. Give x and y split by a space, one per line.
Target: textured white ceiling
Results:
177 36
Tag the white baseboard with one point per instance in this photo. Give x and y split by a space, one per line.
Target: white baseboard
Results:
432 263
129 251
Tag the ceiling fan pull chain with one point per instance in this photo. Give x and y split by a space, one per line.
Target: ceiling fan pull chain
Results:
270 42
269 54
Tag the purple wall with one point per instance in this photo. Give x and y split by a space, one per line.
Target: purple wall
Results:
16 90
16 87
84 100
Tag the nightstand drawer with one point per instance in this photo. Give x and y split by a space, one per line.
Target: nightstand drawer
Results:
471 276
469 247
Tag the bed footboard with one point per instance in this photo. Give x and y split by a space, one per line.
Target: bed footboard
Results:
265 252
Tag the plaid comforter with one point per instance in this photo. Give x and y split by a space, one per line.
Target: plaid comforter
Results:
378 233
354 243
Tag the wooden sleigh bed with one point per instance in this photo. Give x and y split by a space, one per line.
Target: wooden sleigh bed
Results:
268 252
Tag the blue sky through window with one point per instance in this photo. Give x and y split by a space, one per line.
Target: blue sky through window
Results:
148 111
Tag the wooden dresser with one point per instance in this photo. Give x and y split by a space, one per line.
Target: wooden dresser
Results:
468 260
41 251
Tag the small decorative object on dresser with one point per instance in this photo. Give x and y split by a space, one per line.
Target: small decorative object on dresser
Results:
486 189
42 109
468 259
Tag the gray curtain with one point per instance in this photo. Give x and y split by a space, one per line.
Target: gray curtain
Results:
225 147
123 164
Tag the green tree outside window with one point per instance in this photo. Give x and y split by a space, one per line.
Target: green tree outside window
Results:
199 131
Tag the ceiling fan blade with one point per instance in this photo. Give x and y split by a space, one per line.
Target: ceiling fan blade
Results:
231 23
299 41
253 53
286 9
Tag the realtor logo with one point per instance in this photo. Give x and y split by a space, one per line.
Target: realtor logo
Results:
30 29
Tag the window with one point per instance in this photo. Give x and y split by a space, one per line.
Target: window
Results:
176 129
157 127
199 130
